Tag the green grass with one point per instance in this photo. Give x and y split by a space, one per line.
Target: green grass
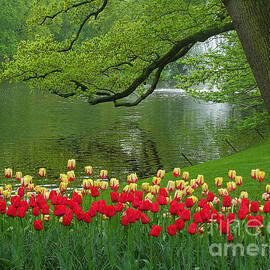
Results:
252 158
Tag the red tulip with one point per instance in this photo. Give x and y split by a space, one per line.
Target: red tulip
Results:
21 211
155 231
144 219
15 201
67 220
255 207
180 224
11 212
192 229
227 201
266 208
36 211
171 229
38 225
189 202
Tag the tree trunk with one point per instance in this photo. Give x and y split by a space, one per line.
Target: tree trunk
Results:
251 19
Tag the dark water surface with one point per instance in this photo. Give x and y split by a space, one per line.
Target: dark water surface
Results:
42 130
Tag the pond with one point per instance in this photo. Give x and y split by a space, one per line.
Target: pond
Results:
43 130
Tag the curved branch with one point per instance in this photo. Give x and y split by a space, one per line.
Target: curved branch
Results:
41 76
65 10
165 59
93 14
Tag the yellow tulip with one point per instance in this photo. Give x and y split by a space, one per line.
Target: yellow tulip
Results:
71 164
146 187
185 176
156 181
178 195
155 189
200 179
232 174
114 183
268 188
171 186
88 170
18 176
71 176
42 172
133 187
8 173
103 185
238 180
103 174
180 184
218 181
176 172
161 174
132 178
243 195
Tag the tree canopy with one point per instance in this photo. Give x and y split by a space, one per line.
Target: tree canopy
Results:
116 50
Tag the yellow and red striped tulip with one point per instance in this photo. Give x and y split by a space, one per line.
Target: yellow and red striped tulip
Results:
261 176
176 172
194 184
155 189
133 187
146 187
71 176
194 199
18 176
188 190
38 189
231 186
26 180
42 172
161 174
267 187
200 179
235 201
232 174
205 187
8 173
156 181
31 195
103 174
103 185
218 181
238 180
114 183
171 186
185 176
63 178
30 187
71 164
149 196
87 183
180 184
96 183
8 187
255 173
216 201
243 195
63 187
45 217
223 192
7 194
132 178
178 195
126 188
1 190
88 170
266 196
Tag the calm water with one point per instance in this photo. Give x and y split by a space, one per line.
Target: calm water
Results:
41 130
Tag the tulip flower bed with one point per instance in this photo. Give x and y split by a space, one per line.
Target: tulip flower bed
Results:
175 224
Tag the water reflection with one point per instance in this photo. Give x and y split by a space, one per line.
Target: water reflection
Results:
41 130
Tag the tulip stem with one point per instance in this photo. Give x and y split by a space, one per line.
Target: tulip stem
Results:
151 253
172 244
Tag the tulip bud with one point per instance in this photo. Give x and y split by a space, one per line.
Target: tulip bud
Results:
71 164
185 176
243 195
171 186
178 195
71 176
200 179
42 172
238 180
132 178
155 189
114 184
218 181
103 174
18 176
231 186
176 172
8 173
156 181
161 174
88 170
261 176
103 185
146 187
232 174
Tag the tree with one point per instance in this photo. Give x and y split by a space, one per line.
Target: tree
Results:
133 46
